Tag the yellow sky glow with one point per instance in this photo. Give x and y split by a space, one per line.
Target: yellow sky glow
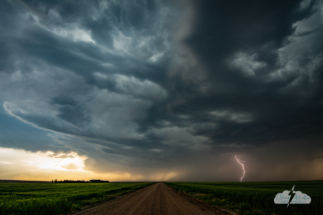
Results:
17 164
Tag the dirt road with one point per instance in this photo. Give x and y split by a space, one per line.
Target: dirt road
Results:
157 199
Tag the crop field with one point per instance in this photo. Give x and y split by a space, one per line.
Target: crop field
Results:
255 197
57 198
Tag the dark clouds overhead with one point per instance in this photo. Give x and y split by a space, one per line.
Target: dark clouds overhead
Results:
167 85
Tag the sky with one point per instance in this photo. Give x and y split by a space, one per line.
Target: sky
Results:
161 90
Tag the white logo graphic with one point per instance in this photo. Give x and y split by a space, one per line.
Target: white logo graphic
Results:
292 197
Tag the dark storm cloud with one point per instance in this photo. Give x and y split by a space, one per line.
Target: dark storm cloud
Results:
242 32
165 82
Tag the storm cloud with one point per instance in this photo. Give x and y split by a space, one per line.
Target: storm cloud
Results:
175 88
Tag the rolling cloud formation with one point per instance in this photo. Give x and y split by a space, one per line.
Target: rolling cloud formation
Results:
153 87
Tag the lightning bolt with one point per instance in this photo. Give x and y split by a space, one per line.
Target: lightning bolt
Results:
292 194
242 165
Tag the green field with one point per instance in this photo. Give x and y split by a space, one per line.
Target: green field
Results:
57 198
255 197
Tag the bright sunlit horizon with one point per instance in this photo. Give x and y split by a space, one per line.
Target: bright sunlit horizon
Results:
46 166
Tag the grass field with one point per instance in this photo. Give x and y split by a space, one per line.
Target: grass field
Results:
255 197
60 198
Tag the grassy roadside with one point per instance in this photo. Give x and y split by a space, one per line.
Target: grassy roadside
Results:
54 199
251 198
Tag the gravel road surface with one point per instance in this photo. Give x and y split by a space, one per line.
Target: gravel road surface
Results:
156 199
